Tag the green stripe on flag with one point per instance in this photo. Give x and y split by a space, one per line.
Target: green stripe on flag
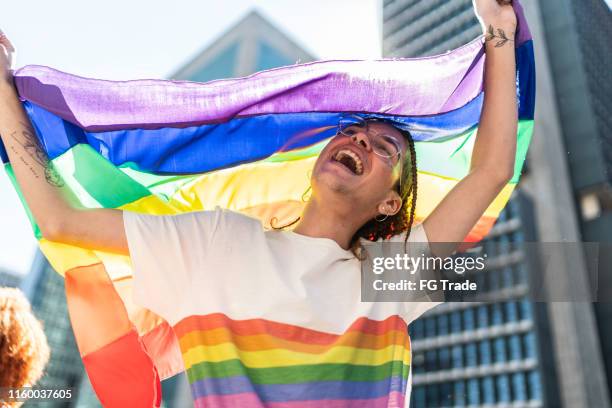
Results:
299 373
451 157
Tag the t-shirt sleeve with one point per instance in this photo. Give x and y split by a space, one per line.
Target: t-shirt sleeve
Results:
169 251
418 246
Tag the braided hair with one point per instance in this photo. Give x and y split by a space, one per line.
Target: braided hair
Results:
406 187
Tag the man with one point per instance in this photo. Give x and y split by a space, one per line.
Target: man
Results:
273 318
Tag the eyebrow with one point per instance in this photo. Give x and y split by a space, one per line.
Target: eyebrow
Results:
395 139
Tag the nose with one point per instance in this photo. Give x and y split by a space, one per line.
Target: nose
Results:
361 138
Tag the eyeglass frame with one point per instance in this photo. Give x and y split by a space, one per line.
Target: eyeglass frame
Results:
363 123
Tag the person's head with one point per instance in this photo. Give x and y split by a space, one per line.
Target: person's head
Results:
369 168
24 351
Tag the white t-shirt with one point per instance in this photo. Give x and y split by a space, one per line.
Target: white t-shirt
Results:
266 318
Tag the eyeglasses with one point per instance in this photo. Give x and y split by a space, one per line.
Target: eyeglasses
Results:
383 144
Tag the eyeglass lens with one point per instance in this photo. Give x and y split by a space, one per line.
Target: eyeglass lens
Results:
382 144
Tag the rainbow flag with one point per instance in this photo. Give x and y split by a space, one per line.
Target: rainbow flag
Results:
247 144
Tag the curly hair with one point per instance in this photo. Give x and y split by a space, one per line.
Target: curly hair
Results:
406 187
24 351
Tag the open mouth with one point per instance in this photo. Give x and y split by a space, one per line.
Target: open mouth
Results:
350 160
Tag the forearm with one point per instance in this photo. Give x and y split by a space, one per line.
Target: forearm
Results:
42 187
495 146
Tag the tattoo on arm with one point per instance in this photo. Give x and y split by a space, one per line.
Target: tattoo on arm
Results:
32 147
499 35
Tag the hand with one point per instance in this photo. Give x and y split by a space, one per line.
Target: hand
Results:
498 13
6 57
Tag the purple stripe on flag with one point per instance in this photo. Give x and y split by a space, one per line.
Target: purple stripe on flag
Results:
297 391
415 87
523 34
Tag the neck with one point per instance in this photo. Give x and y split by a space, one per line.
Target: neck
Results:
334 222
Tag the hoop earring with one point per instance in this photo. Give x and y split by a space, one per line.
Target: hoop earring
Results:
381 220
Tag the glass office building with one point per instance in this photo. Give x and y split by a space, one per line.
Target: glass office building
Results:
578 37
252 44
416 28
512 351
9 279
486 353
476 354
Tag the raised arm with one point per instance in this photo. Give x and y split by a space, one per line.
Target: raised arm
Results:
492 163
53 206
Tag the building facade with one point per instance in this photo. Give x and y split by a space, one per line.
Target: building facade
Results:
488 353
577 35
9 279
553 348
252 44
417 28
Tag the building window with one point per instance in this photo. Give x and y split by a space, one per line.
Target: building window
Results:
468 319
459 393
514 346
443 329
500 350
534 386
473 392
503 389
471 355
488 390
457 356
511 311
483 316
519 387
485 352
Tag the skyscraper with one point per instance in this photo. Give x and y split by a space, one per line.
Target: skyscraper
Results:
9 279
252 44
414 28
488 353
578 36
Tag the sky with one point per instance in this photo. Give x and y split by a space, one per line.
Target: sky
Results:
136 39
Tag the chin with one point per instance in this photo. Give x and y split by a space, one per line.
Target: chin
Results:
329 183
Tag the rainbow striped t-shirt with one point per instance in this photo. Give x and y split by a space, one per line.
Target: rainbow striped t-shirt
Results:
269 318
